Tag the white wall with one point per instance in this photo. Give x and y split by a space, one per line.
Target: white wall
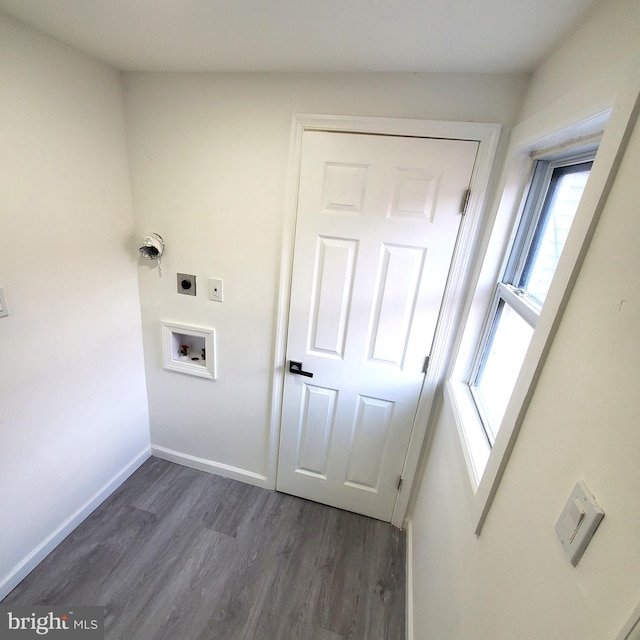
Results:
209 156
591 63
514 580
73 412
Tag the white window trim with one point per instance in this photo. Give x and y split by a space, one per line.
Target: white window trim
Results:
507 295
486 466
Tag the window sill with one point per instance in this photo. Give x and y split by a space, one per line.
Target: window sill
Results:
484 463
473 439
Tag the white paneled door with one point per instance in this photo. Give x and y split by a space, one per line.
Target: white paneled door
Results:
377 222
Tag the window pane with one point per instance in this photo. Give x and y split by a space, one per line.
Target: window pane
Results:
561 203
504 356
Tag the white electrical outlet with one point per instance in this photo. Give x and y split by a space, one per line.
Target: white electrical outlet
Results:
216 290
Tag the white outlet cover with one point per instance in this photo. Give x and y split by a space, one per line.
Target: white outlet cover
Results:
216 289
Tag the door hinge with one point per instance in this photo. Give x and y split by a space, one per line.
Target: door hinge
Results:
465 201
400 479
425 366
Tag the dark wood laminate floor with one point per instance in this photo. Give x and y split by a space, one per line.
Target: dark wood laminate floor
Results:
178 554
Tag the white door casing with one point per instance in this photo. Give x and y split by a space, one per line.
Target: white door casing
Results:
378 217
338 253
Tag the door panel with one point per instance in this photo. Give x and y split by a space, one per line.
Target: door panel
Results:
333 283
395 298
377 222
368 442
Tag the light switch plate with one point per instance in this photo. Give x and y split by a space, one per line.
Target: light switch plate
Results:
578 521
4 310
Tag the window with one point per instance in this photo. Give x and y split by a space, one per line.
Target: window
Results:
519 290
552 200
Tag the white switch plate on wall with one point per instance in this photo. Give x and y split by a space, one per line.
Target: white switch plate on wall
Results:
216 289
578 521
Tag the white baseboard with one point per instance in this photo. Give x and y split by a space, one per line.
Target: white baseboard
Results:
409 574
210 466
29 562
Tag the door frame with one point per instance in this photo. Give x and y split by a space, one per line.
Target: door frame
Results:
487 135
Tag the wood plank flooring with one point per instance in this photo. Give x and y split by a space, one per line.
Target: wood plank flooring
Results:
178 554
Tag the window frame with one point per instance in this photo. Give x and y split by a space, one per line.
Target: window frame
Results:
612 121
507 292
